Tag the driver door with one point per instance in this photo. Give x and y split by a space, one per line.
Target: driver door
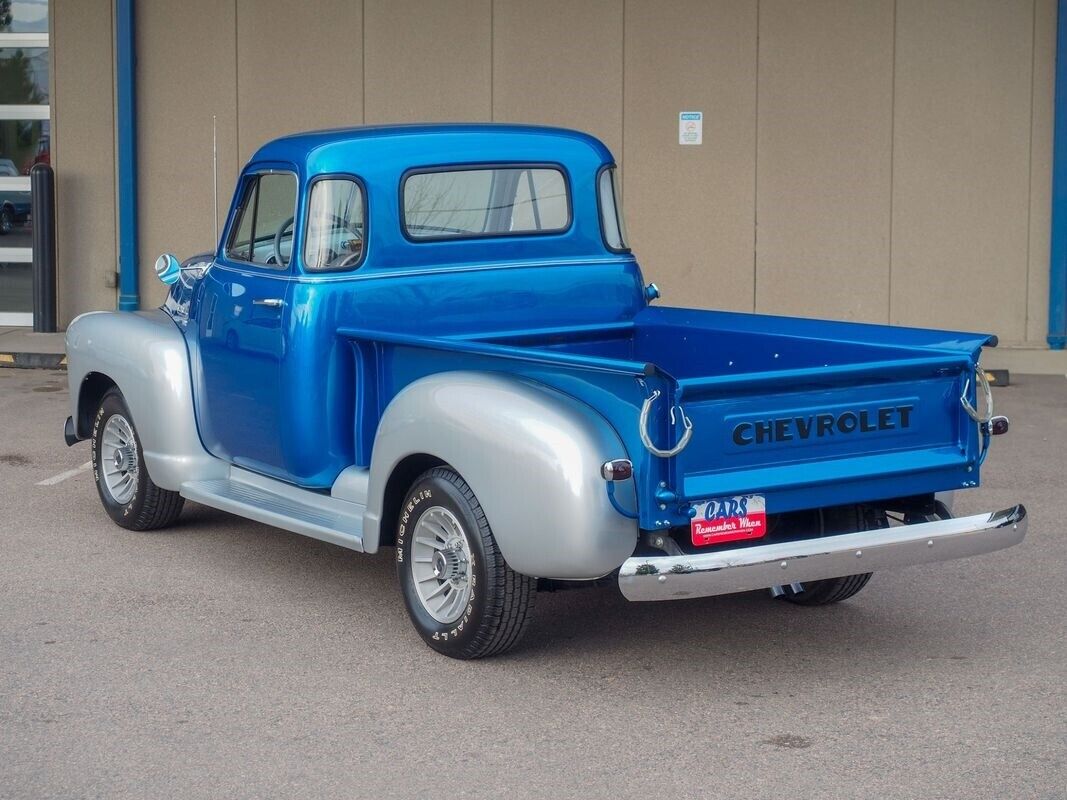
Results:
242 326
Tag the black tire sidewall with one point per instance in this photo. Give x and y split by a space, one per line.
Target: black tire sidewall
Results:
457 637
126 514
837 520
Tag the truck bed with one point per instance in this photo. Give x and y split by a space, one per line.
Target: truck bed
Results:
806 412
716 347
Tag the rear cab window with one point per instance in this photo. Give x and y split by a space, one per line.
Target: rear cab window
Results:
485 201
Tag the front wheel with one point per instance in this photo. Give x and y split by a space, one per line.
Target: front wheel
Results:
462 597
129 496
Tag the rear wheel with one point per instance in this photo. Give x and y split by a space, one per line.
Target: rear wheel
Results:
843 519
462 597
127 492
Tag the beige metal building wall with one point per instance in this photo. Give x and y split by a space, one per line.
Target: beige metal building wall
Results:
882 160
83 108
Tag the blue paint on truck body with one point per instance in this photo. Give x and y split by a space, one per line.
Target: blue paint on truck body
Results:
293 368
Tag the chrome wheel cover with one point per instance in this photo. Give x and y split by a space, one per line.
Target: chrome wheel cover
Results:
118 459
441 564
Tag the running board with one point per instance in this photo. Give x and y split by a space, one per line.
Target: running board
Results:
282 505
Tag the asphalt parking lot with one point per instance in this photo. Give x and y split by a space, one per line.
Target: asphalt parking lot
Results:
226 659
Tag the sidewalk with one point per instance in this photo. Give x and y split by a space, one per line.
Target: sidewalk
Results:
21 347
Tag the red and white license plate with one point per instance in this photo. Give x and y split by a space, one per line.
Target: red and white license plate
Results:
727 519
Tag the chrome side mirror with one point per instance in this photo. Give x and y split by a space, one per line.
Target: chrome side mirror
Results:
168 269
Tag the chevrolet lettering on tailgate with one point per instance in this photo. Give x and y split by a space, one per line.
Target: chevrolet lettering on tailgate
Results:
785 429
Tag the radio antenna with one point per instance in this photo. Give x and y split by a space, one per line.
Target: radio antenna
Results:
215 176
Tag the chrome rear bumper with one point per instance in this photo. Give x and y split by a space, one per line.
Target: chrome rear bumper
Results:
746 568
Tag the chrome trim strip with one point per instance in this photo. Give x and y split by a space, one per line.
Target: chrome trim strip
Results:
749 568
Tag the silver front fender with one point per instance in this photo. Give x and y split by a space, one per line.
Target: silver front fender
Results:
531 455
144 354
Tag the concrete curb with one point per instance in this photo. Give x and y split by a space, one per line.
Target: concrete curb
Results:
33 360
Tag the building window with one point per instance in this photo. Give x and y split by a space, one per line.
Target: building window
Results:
24 141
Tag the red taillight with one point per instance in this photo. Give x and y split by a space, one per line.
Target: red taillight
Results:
618 470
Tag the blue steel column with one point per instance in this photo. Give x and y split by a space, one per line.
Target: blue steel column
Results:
126 125
1057 285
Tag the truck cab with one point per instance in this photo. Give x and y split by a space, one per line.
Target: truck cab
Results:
436 338
412 230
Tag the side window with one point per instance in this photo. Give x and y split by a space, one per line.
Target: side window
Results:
263 232
612 222
335 225
241 237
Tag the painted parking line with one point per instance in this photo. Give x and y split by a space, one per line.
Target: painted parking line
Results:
70 473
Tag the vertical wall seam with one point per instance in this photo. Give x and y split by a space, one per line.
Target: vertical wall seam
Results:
52 128
114 138
892 160
1030 173
492 60
363 60
755 174
114 142
622 101
236 92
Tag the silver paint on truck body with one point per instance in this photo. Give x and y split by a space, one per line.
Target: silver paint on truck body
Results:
145 355
531 455
282 505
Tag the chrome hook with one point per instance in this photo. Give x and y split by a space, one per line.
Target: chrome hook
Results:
646 440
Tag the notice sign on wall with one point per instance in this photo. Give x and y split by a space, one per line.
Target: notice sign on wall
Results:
691 127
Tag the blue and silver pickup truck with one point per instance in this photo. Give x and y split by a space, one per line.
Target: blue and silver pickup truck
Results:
436 339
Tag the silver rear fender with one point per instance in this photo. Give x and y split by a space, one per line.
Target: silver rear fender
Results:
531 455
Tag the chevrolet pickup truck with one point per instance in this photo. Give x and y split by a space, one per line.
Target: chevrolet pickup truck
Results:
436 339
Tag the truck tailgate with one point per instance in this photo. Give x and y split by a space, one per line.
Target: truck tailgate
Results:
857 430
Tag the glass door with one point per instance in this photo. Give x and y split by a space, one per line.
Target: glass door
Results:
24 141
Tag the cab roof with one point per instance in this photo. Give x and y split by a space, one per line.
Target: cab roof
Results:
381 157
415 145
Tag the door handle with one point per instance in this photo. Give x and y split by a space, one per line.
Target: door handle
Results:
269 302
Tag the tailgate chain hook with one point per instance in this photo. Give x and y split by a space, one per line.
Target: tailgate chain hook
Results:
646 440
987 392
983 422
